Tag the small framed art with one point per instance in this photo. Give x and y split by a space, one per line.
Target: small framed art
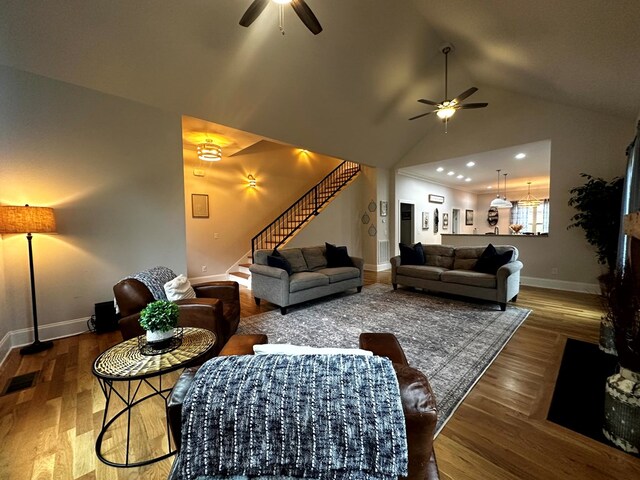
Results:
436 199
445 221
425 220
199 205
468 217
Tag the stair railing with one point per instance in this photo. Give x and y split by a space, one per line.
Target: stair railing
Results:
307 206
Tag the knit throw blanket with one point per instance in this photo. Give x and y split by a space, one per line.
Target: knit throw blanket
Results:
284 416
154 279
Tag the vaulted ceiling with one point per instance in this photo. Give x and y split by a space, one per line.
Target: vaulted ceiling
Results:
346 92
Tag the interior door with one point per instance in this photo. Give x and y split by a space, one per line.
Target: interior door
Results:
406 223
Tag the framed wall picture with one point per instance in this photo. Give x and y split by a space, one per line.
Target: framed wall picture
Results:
445 221
384 207
199 205
468 217
425 220
436 199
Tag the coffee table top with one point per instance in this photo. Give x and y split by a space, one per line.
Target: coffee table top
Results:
124 361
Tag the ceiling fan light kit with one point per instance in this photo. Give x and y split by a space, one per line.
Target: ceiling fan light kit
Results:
447 108
303 11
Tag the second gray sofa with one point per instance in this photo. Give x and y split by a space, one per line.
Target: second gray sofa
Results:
449 269
310 278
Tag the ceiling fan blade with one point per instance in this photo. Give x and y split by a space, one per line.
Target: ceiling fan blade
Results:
428 102
253 11
419 116
473 105
465 94
306 15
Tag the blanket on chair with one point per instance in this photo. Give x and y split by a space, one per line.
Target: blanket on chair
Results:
312 416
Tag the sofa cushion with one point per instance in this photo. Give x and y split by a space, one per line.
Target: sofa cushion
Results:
469 277
426 272
278 261
339 274
337 256
315 257
304 280
295 258
439 255
466 257
411 255
490 260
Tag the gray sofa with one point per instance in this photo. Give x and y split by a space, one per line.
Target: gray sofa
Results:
310 277
449 269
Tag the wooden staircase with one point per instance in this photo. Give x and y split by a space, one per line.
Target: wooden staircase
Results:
279 232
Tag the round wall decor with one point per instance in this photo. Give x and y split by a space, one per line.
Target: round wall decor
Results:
372 206
372 231
492 216
365 218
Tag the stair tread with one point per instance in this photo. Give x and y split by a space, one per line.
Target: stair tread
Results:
240 274
244 265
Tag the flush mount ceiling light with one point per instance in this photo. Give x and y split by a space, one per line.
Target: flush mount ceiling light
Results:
501 202
520 156
447 108
529 200
209 151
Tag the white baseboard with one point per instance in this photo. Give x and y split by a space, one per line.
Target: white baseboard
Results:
377 268
561 285
51 331
209 278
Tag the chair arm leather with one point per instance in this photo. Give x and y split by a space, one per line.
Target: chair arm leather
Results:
227 291
383 345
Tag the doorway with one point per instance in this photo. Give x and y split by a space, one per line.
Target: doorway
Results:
406 223
455 221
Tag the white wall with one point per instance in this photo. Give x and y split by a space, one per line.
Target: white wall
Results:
581 141
417 191
238 212
111 169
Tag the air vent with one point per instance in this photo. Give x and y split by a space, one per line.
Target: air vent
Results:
21 382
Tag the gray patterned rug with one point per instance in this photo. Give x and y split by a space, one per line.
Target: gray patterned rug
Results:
451 341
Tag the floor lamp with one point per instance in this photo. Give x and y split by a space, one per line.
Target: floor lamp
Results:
29 220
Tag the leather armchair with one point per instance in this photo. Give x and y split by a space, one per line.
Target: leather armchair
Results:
216 308
418 401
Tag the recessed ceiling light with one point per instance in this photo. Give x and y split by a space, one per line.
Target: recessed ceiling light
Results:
439 169
471 164
520 156
489 187
467 179
460 176
451 172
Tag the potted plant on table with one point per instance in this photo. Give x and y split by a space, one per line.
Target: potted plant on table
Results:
159 319
598 204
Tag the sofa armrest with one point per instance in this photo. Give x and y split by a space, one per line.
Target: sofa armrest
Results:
227 291
509 269
383 345
268 271
395 263
358 263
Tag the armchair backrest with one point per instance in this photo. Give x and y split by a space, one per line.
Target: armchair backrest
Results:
131 296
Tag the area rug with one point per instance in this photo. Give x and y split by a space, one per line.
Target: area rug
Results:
452 341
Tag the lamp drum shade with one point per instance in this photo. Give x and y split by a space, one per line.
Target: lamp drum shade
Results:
14 219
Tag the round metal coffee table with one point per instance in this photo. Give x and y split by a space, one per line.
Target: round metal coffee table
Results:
124 362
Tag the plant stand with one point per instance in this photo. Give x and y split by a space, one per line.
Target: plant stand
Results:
622 410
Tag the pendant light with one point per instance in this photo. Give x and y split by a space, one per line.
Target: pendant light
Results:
499 202
505 203
529 200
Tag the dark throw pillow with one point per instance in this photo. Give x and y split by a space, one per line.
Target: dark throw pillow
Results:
337 256
412 255
278 261
490 260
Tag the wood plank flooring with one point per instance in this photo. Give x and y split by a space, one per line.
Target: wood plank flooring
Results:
499 431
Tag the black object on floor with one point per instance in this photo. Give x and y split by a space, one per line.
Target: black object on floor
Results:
578 399
21 382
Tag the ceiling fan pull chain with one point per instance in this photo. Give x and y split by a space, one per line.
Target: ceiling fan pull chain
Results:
281 18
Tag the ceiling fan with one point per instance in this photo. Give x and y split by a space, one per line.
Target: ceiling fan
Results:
299 6
446 108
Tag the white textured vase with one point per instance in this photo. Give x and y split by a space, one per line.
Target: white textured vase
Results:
622 410
155 336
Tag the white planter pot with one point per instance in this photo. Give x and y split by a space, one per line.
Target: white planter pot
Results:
622 410
156 336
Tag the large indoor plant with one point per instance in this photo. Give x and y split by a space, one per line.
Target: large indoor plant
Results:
598 204
159 319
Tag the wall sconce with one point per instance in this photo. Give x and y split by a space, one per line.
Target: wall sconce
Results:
252 181
209 151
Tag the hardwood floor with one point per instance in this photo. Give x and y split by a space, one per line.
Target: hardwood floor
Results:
499 431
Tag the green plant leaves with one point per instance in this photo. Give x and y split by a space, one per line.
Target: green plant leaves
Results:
161 315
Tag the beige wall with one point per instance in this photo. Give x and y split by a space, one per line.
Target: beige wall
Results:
581 141
111 168
238 212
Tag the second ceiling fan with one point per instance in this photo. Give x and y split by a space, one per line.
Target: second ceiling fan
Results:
446 108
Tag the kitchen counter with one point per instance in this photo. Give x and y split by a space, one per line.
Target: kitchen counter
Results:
492 235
